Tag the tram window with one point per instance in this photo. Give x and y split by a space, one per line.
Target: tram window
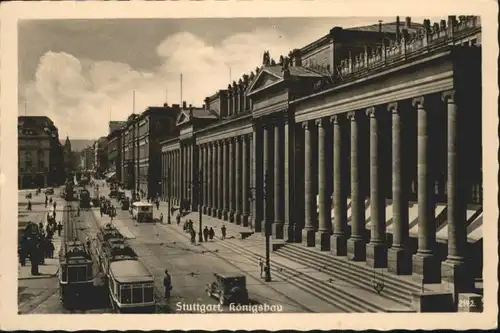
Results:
126 294
77 274
137 294
148 294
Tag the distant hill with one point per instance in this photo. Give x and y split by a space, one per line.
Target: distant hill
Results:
79 144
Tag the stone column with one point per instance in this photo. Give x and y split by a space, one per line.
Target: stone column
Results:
267 187
399 258
182 164
425 263
257 209
179 173
376 249
215 179
308 232
339 238
220 179
210 177
203 168
324 217
455 268
225 159
238 178
279 175
289 181
178 176
231 173
245 165
193 172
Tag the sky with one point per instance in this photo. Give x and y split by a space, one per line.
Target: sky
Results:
82 73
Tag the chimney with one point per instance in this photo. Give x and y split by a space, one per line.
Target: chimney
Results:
184 106
190 106
408 22
397 29
297 58
379 26
165 105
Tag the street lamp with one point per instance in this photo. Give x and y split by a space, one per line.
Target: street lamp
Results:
267 225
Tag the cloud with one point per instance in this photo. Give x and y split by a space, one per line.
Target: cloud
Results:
78 94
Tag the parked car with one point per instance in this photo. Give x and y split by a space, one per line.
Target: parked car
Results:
228 288
49 191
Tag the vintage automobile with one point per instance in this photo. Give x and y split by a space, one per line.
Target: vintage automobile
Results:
228 288
49 191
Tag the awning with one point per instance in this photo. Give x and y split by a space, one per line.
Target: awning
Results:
110 175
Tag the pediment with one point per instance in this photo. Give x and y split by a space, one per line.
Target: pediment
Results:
182 119
264 79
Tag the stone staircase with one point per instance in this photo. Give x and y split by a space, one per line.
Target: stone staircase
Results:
396 289
304 274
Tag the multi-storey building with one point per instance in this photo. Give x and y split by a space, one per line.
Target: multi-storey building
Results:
87 158
100 156
115 125
114 154
40 155
141 169
362 143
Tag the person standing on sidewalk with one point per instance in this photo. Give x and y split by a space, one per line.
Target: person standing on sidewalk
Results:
223 230
161 217
211 234
59 228
261 267
157 203
167 284
205 233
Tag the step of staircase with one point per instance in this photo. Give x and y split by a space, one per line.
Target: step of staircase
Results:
346 296
363 280
396 288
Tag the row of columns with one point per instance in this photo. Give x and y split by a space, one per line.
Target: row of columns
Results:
333 236
269 174
224 181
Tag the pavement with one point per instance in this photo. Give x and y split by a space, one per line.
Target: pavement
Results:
37 215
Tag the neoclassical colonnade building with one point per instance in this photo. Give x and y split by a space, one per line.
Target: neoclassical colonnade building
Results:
365 143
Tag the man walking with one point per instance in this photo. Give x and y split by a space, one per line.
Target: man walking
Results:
167 284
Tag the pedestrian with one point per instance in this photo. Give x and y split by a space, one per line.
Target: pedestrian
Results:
157 204
178 218
193 235
59 228
223 231
261 267
167 284
161 217
51 249
211 233
54 215
29 204
87 241
205 233
50 200
55 204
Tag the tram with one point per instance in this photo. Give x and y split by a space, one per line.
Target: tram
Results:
84 197
75 273
130 284
69 191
